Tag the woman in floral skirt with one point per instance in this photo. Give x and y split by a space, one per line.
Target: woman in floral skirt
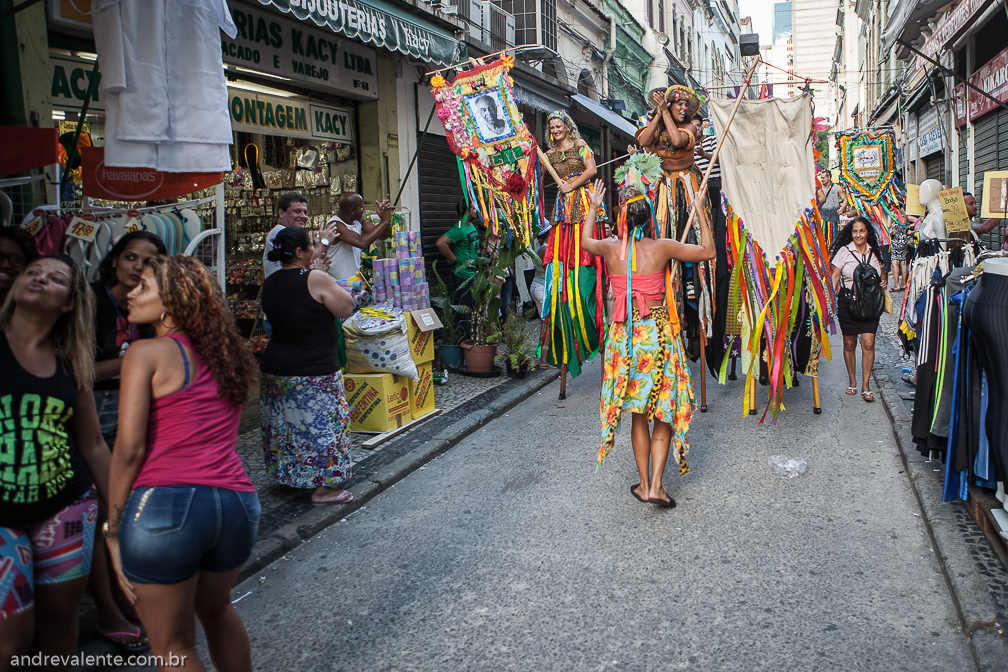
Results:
305 417
645 368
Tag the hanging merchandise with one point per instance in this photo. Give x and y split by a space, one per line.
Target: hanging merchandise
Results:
166 100
868 173
497 153
780 284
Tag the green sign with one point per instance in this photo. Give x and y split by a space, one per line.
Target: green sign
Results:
301 52
290 117
379 23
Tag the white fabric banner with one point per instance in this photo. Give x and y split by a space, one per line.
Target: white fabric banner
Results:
767 169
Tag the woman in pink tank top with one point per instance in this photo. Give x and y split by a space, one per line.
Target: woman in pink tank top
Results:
645 369
183 515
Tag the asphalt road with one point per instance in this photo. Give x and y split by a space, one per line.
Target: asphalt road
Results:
510 552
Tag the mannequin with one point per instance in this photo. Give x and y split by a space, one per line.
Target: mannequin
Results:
934 222
986 314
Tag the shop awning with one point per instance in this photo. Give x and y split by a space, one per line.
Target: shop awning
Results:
604 114
537 99
25 148
381 23
906 21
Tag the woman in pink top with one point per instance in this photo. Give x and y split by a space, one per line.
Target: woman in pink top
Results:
183 513
856 243
645 368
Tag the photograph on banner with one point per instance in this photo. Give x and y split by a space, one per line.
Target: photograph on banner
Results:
995 194
913 204
486 109
954 210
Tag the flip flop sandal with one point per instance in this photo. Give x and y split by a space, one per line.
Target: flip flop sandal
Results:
908 380
868 396
852 390
633 492
138 643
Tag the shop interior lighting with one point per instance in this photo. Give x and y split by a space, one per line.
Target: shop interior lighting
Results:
58 115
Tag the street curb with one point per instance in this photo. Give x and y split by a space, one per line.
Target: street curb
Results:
494 404
973 602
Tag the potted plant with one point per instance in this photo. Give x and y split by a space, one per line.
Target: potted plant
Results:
453 331
515 338
486 285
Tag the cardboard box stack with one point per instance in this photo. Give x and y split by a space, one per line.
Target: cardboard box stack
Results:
402 280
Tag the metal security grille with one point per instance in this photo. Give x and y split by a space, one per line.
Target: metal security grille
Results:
440 190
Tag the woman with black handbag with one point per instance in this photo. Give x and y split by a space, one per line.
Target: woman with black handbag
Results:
856 246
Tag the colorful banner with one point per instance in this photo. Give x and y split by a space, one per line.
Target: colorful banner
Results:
868 173
498 155
137 184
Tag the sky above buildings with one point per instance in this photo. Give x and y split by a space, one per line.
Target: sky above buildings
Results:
761 12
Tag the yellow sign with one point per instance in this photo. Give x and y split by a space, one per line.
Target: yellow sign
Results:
995 194
954 210
913 204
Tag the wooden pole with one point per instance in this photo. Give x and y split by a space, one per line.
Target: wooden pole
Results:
549 166
816 409
703 372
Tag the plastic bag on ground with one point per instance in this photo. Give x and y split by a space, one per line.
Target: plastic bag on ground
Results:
787 467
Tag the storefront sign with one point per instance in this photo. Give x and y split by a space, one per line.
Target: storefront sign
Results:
930 136
951 27
290 117
136 184
74 15
301 52
992 78
379 23
69 78
960 100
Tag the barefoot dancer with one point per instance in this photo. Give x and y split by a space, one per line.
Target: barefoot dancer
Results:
645 368
572 314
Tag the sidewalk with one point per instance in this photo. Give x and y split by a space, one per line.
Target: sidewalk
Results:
976 578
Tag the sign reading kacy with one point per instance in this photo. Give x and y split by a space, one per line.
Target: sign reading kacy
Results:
278 46
290 117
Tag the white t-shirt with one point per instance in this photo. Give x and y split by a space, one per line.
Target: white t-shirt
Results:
271 266
344 257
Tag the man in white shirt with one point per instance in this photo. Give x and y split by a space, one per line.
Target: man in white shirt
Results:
353 234
292 210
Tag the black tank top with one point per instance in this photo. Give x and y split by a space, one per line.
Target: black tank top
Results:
41 471
304 331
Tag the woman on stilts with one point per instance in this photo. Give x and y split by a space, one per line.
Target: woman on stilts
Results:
667 132
572 309
645 369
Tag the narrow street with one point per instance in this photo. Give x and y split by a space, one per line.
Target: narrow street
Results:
509 552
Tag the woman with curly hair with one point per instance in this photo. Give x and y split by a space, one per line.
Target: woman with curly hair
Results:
572 308
646 371
184 514
667 131
856 244
54 458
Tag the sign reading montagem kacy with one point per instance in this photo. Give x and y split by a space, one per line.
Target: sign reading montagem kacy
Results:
290 117
381 23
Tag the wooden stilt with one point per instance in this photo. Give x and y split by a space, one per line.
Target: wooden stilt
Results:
703 370
752 398
731 374
563 381
815 396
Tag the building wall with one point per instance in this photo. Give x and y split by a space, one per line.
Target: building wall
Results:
376 120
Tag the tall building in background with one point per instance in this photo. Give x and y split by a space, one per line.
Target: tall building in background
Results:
815 39
781 20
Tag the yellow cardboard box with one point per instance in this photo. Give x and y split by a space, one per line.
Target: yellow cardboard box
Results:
420 326
422 391
378 401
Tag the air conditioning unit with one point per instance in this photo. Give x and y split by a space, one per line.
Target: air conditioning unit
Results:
472 12
498 26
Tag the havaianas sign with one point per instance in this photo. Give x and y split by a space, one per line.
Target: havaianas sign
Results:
371 24
290 117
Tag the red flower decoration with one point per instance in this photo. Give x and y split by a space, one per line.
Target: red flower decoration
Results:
515 186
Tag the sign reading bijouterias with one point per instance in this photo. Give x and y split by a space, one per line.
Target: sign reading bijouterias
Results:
277 46
379 23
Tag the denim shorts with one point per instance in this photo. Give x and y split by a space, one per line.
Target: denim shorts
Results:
169 533
107 405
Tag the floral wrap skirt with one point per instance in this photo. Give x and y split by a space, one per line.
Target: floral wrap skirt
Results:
651 378
305 429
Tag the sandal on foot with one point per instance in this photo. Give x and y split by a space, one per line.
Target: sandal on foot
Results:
909 380
665 504
135 641
633 491
851 390
345 497
868 395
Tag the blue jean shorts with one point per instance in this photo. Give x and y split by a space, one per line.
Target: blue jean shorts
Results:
169 533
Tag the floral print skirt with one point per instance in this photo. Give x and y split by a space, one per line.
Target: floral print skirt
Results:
306 429
651 377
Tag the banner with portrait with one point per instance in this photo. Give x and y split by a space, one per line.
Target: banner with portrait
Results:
498 163
868 174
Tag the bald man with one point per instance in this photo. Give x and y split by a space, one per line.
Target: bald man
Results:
354 234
